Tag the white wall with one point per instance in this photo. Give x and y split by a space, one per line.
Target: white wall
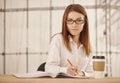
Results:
25 35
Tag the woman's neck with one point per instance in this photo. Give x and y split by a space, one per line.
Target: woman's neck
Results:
76 40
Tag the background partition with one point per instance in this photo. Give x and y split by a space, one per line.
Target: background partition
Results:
26 27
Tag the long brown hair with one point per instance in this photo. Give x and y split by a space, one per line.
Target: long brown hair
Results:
84 36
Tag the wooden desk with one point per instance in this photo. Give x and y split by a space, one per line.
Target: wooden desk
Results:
12 79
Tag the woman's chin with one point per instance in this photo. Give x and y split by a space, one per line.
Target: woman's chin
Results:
74 33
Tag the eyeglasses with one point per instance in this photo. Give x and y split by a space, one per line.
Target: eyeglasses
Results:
71 21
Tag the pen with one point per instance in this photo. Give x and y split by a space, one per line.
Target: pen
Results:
72 65
69 62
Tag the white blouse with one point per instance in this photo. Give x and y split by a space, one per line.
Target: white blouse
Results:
58 55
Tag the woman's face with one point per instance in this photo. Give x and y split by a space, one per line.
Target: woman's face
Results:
75 23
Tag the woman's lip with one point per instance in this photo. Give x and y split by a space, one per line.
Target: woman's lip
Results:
74 29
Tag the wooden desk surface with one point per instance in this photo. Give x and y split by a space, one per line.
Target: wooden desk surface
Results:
12 79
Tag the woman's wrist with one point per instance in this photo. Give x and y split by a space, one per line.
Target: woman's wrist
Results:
81 73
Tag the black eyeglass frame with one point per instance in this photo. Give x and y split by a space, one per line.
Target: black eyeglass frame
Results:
78 21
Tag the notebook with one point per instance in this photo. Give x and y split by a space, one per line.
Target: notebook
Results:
45 74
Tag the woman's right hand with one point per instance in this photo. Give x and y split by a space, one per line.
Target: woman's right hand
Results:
72 70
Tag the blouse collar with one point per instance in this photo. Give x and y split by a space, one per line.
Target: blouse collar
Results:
71 41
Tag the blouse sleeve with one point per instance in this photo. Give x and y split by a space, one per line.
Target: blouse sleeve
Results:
89 68
53 60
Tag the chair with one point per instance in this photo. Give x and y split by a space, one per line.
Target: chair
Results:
41 67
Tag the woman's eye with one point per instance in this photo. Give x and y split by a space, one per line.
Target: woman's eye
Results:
69 20
78 20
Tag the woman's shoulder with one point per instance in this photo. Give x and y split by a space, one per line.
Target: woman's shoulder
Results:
57 36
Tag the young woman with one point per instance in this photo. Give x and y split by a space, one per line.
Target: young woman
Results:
70 51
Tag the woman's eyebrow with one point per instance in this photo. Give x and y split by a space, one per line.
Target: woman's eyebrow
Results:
76 18
80 18
69 18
